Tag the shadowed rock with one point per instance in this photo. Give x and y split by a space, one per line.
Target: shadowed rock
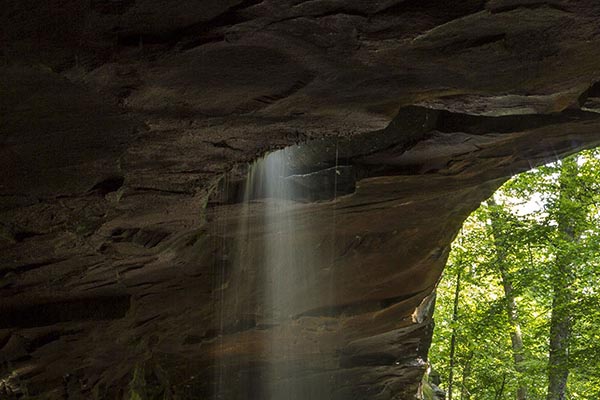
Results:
127 131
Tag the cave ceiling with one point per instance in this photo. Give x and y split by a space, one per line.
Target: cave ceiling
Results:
125 124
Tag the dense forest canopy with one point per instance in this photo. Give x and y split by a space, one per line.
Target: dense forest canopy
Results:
518 306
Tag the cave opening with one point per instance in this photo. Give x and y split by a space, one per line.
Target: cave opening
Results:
518 303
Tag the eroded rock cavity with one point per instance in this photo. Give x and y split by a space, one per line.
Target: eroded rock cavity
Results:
131 268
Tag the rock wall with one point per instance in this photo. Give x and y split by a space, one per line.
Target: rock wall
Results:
120 119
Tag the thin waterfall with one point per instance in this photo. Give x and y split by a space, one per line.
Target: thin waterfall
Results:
276 254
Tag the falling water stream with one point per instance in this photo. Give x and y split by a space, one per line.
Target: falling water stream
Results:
275 257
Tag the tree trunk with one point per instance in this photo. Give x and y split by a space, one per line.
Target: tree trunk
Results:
500 391
516 337
464 392
453 338
560 322
560 326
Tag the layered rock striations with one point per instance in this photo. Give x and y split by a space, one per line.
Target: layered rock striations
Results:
127 127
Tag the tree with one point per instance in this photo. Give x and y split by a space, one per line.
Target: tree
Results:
562 278
540 265
501 248
571 211
470 335
453 338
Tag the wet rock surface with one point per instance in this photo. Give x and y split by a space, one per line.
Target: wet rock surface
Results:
121 119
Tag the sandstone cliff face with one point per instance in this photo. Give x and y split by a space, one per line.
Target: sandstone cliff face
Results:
121 118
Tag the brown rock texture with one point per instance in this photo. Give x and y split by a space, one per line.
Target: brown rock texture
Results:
127 127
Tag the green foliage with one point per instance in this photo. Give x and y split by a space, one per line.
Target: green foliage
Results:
527 239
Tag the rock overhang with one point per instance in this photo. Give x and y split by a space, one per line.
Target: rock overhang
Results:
118 125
